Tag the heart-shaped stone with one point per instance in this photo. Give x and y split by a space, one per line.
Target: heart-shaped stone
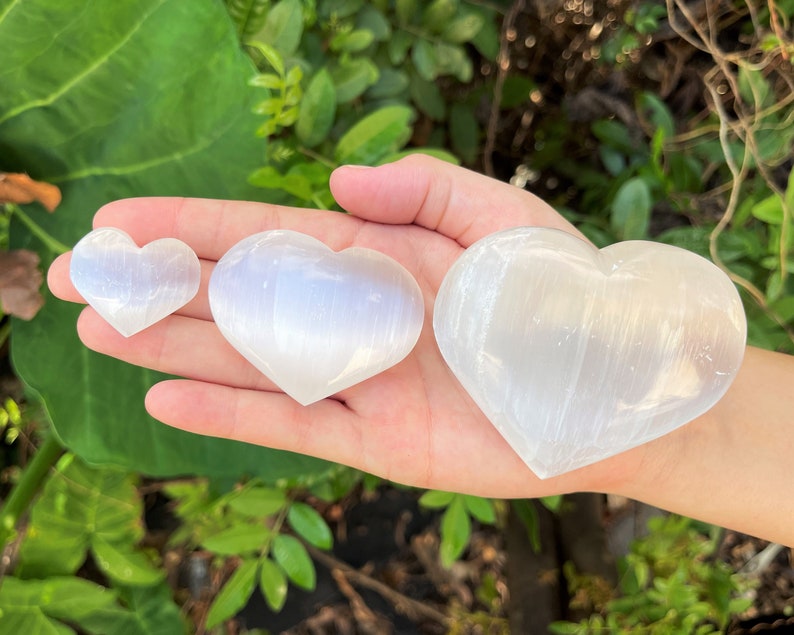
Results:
133 287
576 354
314 321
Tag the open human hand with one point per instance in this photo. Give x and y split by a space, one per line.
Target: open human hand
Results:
413 423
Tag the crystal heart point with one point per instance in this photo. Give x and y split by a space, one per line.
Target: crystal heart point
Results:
576 354
132 287
314 321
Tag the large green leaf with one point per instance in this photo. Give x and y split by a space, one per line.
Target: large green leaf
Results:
111 100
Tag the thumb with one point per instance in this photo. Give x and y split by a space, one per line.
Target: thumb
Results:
451 200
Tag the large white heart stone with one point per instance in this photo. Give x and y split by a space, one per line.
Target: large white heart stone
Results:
132 287
314 321
576 354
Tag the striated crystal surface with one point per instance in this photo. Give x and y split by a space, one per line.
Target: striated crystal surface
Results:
314 321
576 354
133 287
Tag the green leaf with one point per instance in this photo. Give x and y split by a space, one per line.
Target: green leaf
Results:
464 132
658 113
124 565
769 210
391 83
78 504
436 499
552 503
463 28
423 55
352 42
377 134
528 515
293 558
309 525
234 594
273 584
438 14
284 27
427 97
272 56
248 15
481 508
754 88
58 597
455 531
375 22
258 502
406 10
317 110
398 47
631 210
237 540
147 610
174 119
352 77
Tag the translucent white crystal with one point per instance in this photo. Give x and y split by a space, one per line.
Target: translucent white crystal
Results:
314 321
576 354
132 287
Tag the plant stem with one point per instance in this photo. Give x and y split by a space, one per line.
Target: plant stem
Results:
51 243
28 486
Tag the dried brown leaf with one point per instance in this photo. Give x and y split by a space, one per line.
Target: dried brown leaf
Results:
21 189
20 279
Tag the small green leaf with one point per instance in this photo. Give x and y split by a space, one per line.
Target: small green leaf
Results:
398 46
123 564
293 558
436 499
769 210
352 77
317 110
268 80
406 10
375 22
481 508
273 584
427 97
309 525
284 26
376 135
423 55
234 594
352 42
528 515
391 83
236 540
455 531
438 14
463 28
272 56
258 502
552 503
631 210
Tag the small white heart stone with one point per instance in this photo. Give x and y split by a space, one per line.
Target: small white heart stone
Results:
133 287
576 354
314 321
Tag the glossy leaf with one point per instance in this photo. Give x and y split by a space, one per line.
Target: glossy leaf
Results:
376 135
234 594
481 508
455 531
436 499
248 15
174 118
273 584
258 502
238 540
463 27
293 558
631 210
123 564
352 77
317 110
284 26
78 504
310 525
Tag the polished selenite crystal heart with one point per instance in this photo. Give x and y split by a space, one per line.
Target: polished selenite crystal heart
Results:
576 354
314 321
132 287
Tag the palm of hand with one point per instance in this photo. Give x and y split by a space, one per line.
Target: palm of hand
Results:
413 423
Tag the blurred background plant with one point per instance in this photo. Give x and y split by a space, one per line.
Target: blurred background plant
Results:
636 119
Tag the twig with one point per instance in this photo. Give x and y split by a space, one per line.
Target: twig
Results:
413 609
503 65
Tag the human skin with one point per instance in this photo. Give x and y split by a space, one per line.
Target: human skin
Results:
414 424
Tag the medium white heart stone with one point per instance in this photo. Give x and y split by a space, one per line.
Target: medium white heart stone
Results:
576 354
132 287
314 321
